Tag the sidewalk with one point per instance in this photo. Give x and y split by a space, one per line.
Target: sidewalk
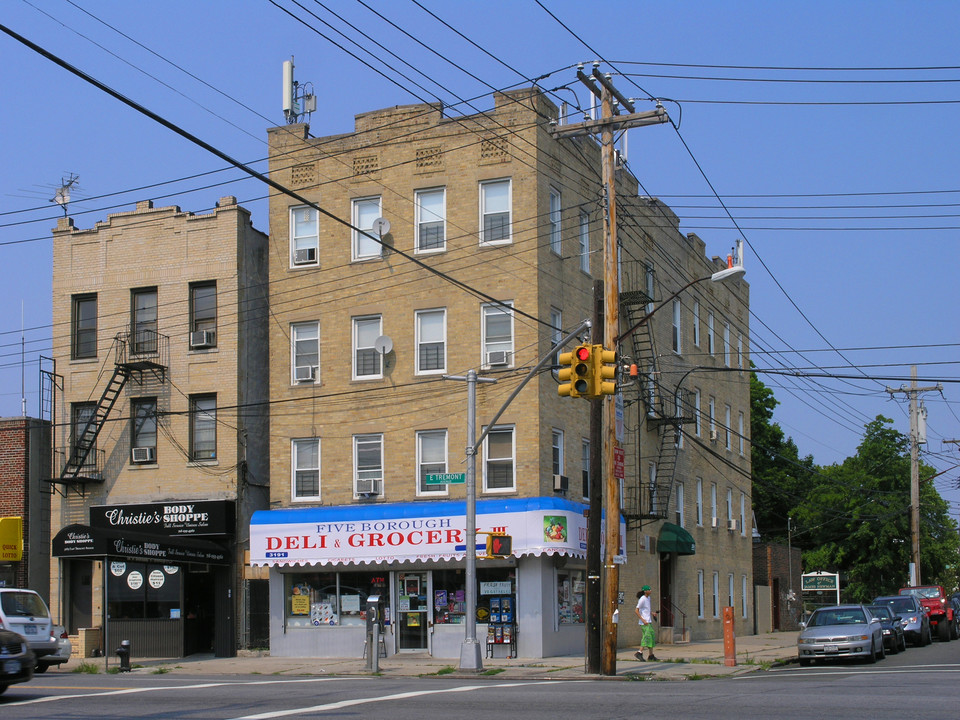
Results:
674 662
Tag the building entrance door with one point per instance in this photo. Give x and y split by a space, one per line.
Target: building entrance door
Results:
412 610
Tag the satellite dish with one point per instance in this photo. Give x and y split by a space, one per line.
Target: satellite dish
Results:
381 226
383 344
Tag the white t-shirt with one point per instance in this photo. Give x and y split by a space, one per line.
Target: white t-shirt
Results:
643 607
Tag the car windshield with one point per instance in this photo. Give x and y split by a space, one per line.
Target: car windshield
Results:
924 592
901 606
842 616
22 604
881 612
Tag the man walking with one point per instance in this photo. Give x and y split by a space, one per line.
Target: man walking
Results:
648 632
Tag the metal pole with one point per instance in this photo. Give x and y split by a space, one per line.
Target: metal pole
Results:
914 479
594 567
470 650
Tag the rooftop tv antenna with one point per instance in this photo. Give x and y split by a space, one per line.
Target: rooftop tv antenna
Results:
298 100
62 196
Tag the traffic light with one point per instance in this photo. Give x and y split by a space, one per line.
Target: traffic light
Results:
604 368
576 378
499 545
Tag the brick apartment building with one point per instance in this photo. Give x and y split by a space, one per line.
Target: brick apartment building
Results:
161 428
493 246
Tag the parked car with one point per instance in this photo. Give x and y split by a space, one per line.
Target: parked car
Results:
25 613
943 621
62 655
841 631
16 660
893 638
916 624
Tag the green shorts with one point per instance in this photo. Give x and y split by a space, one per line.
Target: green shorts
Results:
649 635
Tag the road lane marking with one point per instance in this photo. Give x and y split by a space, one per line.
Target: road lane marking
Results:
385 698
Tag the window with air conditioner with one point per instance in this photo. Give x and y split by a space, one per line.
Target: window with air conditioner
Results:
368 463
142 455
202 339
143 430
731 524
497 334
203 314
304 352
304 236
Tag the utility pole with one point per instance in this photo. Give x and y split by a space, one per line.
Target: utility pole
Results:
915 439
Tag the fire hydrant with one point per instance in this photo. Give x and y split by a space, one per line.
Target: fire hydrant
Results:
123 652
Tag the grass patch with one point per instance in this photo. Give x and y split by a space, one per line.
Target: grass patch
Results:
85 667
556 669
161 671
446 670
493 671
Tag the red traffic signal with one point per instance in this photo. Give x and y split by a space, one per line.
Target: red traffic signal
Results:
499 545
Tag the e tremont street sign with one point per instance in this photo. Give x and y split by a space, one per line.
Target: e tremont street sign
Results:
445 478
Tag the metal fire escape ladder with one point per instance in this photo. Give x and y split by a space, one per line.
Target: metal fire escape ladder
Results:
87 439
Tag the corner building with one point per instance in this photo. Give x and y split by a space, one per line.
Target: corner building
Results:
484 243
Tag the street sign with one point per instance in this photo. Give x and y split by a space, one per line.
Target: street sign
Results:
445 478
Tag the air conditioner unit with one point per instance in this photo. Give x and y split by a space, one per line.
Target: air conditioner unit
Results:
304 373
731 524
303 257
714 522
497 357
144 454
368 486
203 338
561 483
713 435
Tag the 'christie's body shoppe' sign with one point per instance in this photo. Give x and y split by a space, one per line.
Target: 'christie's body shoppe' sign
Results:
187 517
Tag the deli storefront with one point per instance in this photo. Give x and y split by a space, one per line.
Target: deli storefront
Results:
157 574
325 561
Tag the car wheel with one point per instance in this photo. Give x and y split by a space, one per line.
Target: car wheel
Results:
41 668
883 651
929 636
943 631
872 657
903 643
804 662
894 647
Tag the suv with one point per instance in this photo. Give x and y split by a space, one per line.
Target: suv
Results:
943 620
25 613
916 624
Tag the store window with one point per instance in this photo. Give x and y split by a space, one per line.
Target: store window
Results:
449 597
325 599
141 590
571 594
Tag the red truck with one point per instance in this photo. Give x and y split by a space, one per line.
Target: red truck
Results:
943 620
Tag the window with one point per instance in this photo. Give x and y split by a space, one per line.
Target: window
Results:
143 429
495 203
305 352
431 218
203 427
585 466
556 243
368 463
305 236
84 326
319 600
83 414
677 339
651 391
700 599
556 335
203 314
652 483
498 466
585 242
712 418
740 432
557 451
726 426
144 321
679 513
714 518
571 596
726 344
743 514
743 596
740 350
731 595
678 413
648 280
710 338
497 335
366 357
696 323
729 504
431 459
364 212
305 464
716 594
696 412
431 341
700 502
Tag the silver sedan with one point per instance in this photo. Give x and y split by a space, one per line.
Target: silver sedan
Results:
842 631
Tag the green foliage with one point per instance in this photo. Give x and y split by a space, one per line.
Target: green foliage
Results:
87 668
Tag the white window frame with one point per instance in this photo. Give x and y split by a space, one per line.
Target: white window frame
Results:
696 323
648 284
701 600
362 247
295 331
699 502
711 339
731 592
740 351
729 504
726 344
555 223
680 509
697 419
305 241
714 517
678 411
295 468
716 593
499 430
712 417
556 451
743 596
677 337
426 215
486 312
585 242
421 341
371 473
556 335
728 423
357 322
740 440
486 185
743 514
422 487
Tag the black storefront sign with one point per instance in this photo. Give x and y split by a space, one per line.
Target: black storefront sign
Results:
174 518
84 541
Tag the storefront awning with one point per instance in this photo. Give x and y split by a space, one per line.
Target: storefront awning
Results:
83 541
674 539
409 532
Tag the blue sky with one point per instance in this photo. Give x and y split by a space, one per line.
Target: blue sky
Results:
827 129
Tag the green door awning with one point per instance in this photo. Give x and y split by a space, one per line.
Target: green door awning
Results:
674 539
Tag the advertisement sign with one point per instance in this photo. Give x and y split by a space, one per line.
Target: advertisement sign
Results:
175 518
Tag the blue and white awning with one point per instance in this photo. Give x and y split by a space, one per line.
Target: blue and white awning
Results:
408 532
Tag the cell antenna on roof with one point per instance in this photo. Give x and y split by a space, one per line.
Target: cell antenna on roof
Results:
298 100
62 196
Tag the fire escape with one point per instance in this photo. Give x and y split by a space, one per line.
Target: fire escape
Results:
135 353
649 473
